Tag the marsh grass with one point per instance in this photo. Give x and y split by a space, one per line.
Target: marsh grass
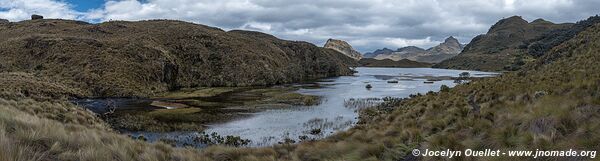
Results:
197 92
208 105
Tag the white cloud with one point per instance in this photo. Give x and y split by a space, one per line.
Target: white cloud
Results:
265 27
16 10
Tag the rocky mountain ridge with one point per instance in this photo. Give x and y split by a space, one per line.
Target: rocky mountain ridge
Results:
449 48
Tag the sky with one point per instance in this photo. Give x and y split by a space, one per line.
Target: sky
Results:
365 24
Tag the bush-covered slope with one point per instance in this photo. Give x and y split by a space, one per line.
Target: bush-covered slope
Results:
542 44
142 58
499 48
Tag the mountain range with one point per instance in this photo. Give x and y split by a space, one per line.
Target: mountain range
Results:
404 63
448 49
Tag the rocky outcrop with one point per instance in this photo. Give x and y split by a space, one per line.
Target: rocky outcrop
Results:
448 49
2 21
344 48
449 46
36 17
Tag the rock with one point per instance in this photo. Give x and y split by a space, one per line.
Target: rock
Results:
392 81
4 21
474 106
368 86
539 94
344 48
37 17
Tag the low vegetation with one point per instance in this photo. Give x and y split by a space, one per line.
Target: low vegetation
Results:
204 106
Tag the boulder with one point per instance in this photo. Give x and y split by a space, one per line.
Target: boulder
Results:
36 17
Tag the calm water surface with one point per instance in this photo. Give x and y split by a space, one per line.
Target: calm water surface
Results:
273 126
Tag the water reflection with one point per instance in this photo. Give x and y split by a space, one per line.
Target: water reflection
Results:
332 115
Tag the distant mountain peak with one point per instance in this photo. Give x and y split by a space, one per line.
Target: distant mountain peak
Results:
511 22
541 21
451 40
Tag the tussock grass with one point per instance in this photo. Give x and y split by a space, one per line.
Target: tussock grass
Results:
27 136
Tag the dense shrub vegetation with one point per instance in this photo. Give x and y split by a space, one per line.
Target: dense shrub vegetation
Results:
542 44
143 58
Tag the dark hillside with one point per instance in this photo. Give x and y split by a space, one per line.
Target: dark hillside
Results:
142 58
499 48
538 46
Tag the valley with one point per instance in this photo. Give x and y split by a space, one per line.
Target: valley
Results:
180 90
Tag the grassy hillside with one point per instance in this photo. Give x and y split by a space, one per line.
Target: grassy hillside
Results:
499 48
404 63
143 58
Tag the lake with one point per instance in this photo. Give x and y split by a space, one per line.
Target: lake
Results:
332 114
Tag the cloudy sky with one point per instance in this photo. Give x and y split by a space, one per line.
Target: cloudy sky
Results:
366 24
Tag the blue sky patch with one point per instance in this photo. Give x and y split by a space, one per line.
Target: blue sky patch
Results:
85 5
